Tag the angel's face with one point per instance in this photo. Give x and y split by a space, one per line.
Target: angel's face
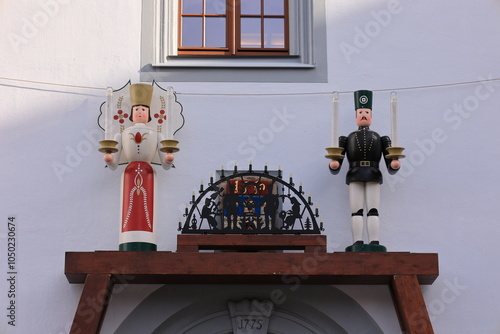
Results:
140 114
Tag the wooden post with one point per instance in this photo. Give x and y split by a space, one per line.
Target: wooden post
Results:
93 304
410 305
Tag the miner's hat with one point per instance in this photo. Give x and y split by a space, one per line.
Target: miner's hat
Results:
363 99
141 94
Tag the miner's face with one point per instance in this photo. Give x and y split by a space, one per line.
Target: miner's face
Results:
140 114
363 117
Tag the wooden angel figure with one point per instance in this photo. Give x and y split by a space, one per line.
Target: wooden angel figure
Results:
139 145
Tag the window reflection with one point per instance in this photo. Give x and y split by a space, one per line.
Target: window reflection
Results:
217 7
273 7
192 6
215 32
251 7
250 33
274 33
192 32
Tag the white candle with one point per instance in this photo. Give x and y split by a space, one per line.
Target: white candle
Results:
108 112
170 106
394 119
335 120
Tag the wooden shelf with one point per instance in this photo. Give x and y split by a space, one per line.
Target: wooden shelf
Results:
402 272
248 242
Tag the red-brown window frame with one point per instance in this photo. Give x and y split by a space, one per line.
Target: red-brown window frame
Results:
233 33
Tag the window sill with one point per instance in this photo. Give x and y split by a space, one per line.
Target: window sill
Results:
282 62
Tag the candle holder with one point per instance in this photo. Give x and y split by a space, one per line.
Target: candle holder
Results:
395 152
334 153
169 146
108 146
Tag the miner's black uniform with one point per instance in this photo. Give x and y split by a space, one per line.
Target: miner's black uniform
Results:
364 149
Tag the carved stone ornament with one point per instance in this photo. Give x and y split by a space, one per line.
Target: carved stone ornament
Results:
250 316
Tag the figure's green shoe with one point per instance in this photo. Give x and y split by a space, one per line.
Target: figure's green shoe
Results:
137 246
359 246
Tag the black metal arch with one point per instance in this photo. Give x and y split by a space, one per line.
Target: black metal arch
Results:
251 202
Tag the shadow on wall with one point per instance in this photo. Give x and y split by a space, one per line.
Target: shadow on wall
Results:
198 309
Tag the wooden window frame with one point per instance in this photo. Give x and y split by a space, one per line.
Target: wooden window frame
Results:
233 33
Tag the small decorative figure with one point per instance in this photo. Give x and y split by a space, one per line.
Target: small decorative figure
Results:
208 211
291 215
364 149
231 205
138 145
271 204
249 214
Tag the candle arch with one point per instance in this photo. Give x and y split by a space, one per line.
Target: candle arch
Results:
248 196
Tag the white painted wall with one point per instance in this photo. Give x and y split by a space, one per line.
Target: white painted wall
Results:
443 200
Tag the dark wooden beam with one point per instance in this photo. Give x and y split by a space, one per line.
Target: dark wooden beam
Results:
315 267
250 242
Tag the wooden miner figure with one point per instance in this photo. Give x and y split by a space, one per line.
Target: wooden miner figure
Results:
364 150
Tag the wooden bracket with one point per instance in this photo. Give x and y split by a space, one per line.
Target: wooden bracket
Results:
243 262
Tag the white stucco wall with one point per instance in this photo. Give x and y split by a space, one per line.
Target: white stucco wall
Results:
443 200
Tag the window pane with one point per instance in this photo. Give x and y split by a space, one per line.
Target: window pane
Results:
274 7
217 7
192 6
274 33
250 7
250 33
215 32
191 32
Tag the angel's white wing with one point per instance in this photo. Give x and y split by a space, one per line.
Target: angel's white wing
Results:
118 117
159 111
